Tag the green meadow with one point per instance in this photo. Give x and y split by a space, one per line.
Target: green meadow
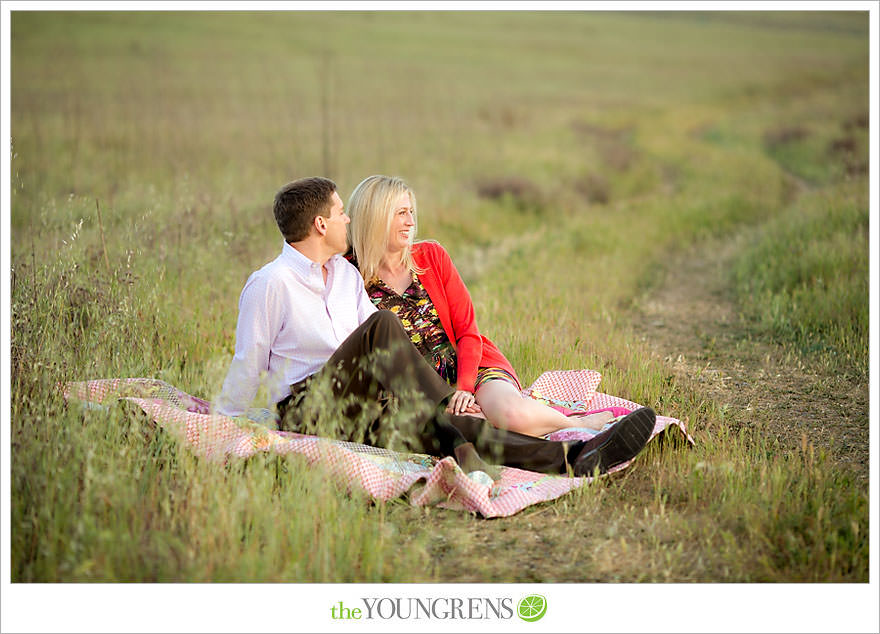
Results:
567 160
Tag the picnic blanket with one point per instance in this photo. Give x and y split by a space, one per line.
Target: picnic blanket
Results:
382 474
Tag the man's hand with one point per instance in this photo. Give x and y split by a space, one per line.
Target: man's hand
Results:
463 402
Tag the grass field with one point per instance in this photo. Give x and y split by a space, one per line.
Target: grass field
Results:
565 159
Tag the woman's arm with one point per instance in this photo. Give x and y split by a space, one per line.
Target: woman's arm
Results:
469 345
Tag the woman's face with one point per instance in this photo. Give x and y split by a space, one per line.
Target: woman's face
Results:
402 224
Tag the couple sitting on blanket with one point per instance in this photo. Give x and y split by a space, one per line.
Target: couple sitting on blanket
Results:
404 326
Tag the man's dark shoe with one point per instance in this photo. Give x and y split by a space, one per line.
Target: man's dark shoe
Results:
617 445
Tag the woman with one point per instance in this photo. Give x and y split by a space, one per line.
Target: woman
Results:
418 282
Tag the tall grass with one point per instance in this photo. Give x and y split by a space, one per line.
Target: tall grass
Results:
104 495
561 157
804 278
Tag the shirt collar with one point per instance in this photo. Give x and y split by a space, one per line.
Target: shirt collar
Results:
300 264
414 290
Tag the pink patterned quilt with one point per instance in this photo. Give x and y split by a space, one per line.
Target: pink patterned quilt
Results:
381 473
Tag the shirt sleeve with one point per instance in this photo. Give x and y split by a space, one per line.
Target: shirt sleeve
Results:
259 321
469 345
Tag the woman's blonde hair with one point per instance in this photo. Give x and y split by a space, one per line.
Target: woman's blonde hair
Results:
371 208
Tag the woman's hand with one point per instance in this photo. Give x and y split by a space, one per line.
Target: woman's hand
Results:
463 402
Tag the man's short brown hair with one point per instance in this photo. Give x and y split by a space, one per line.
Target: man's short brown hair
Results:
297 204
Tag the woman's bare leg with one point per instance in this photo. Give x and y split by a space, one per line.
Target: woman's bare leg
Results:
506 408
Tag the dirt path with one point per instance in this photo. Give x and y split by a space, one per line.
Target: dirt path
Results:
690 320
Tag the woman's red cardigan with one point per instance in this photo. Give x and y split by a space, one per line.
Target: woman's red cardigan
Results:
456 311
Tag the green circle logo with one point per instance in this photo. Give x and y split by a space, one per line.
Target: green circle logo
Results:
532 607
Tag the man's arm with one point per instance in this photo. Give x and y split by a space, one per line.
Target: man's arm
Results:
259 320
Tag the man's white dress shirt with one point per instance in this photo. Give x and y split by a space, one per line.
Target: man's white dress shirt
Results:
289 323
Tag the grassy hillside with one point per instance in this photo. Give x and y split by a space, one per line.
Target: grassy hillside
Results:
563 158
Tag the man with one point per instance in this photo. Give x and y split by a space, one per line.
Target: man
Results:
305 319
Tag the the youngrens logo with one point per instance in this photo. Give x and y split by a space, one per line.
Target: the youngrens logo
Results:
530 608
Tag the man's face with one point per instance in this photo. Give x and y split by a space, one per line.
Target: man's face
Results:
336 231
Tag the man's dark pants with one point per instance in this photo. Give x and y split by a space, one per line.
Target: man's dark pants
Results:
399 368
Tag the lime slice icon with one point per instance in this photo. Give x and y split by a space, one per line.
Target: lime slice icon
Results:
532 607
